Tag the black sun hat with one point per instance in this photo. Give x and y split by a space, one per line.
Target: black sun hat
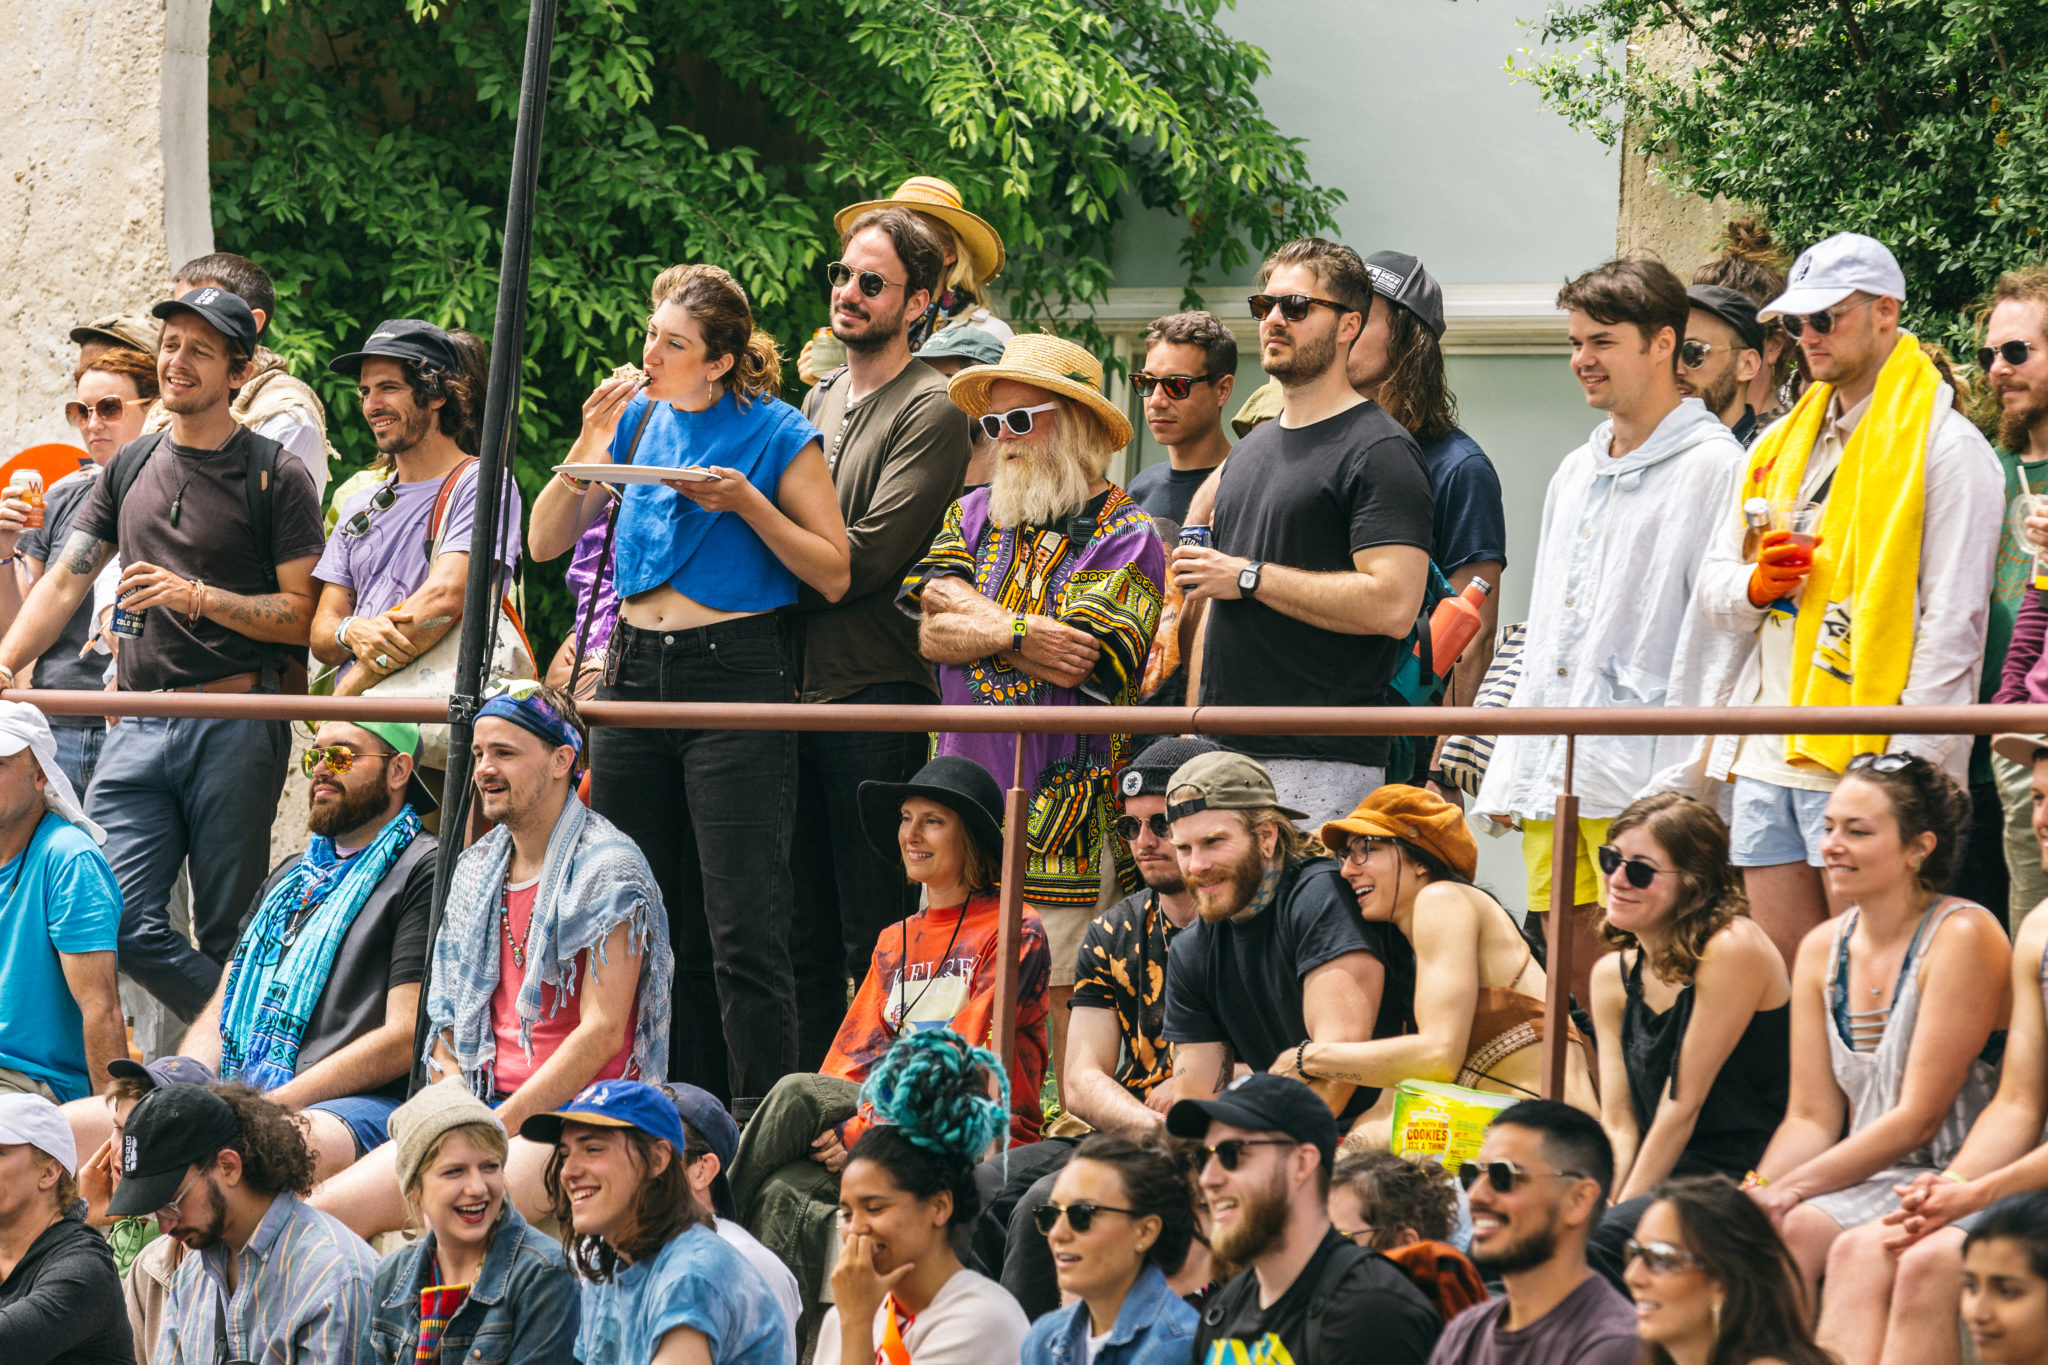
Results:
959 784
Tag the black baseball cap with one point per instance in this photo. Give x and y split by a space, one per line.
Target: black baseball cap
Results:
1733 307
1152 769
1263 1103
164 1071
403 339
223 311
169 1129
1400 278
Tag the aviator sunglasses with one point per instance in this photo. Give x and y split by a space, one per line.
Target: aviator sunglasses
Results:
1641 871
871 281
1659 1258
339 758
1079 1216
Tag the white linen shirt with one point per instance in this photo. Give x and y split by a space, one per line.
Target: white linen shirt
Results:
1611 610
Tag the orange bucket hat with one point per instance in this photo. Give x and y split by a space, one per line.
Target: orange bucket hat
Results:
1413 816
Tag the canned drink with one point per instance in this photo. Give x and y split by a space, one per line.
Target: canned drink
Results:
126 624
27 485
1195 535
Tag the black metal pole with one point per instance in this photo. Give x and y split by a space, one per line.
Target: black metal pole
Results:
501 412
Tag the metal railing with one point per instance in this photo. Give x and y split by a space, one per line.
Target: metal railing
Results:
1571 724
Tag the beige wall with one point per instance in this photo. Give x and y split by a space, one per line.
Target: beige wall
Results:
93 93
1678 230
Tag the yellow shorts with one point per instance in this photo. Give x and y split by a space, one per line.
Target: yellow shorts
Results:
1537 837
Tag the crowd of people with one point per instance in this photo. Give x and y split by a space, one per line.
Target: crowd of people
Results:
707 1020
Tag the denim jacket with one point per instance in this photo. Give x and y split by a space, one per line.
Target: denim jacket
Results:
1155 1326
523 1308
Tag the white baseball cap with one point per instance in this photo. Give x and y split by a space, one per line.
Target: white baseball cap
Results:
39 1123
1831 270
24 727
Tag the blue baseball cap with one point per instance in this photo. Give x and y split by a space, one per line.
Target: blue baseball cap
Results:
164 1071
612 1104
704 1115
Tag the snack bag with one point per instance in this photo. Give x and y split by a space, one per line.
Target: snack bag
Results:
1436 1118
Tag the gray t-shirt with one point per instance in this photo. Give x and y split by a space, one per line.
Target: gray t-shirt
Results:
1592 1325
60 666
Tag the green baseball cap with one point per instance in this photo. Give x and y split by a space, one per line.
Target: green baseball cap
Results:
404 737
1222 781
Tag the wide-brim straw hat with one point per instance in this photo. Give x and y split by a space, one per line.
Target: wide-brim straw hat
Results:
939 198
1046 362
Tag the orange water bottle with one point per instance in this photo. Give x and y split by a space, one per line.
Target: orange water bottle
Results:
1453 625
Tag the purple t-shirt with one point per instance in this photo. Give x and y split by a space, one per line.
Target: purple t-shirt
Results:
1592 1325
388 562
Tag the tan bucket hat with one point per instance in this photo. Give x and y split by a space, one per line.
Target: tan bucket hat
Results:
1050 363
930 195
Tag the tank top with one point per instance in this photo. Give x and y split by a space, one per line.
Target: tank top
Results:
1745 1103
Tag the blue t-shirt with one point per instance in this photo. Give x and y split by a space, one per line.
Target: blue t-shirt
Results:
58 896
1471 524
709 557
696 1280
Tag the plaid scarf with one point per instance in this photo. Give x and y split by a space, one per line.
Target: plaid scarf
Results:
592 880
281 965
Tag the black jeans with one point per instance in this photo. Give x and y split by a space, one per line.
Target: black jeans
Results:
712 811
846 891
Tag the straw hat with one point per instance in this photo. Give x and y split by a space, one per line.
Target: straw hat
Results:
1050 363
930 195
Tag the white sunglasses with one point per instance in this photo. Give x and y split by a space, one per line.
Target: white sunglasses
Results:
1018 420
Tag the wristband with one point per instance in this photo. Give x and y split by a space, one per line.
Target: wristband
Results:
576 485
1301 1067
342 630
198 607
1017 624
1950 1174
6 676
1753 1181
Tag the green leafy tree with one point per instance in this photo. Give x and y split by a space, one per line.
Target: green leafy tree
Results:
361 151
1923 123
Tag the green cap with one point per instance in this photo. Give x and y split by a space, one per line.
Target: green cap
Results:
1262 406
1222 781
404 737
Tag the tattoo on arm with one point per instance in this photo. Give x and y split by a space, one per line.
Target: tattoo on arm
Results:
85 554
270 608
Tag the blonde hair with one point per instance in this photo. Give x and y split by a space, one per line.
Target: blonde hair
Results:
719 307
960 275
488 1138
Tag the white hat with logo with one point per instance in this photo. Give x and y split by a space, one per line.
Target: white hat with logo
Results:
1831 270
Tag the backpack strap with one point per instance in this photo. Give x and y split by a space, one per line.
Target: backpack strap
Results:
1342 1260
128 468
259 486
442 498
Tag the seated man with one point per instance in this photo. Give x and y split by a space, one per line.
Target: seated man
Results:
317 1006
1280 957
710 1142
225 1172
552 968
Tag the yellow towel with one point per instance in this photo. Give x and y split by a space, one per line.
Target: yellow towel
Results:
1852 642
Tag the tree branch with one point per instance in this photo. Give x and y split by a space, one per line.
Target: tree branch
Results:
1859 45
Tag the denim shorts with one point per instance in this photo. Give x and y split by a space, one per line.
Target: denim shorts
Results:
1775 825
368 1118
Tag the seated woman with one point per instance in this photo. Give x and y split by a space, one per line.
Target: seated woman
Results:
1893 1010
1700 1003
2005 1282
1478 991
936 969
658 1282
482 1275
1712 1282
899 1291
1408 1212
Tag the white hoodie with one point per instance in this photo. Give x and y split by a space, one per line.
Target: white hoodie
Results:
1612 620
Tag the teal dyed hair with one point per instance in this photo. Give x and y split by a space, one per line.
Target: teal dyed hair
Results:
932 1085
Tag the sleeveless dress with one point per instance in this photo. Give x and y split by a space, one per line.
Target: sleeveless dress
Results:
1872 1080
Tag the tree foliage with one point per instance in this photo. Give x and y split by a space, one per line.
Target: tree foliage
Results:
361 151
1923 123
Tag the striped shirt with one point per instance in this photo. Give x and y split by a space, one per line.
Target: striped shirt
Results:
302 1294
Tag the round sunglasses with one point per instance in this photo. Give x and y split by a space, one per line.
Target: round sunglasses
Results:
1641 871
1079 1216
1177 386
2013 353
1659 1258
1293 307
1129 827
1693 353
339 758
1822 322
871 281
1017 420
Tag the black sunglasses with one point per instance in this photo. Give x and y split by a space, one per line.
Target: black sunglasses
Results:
1177 386
1128 827
1659 1258
1503 1176
1079 1216
2013 353
871 281
1230 1151
1641 871
1822 322
1293 307
380 501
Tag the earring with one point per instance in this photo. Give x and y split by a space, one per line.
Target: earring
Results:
1714 1314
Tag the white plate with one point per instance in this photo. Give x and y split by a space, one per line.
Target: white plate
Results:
635 473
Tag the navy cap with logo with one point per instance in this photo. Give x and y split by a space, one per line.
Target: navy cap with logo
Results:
164 1071
612 1104
403 339
701 1112
1400 278
169 1130
222 311
1261 1103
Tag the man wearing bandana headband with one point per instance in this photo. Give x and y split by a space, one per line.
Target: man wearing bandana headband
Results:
552 968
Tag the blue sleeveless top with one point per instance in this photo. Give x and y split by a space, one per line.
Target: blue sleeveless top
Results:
710 557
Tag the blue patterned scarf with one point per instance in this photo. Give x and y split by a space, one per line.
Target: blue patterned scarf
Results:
276 977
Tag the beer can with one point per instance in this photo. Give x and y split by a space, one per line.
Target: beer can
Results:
1195 535
126 624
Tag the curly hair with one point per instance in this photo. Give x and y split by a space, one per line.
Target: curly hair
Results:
935 1118
1924 800
1395 1193
663 1209
1710 892
273 1150
1764 1315
1415 392
719 307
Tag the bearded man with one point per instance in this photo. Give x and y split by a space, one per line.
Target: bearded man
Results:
1278 957
1266 1176
1044 589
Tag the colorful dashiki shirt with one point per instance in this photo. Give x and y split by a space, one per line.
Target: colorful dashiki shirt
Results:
1108 585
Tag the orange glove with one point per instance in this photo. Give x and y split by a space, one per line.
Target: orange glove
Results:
1780 567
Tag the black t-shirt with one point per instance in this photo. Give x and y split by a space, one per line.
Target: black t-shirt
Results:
1369 1310
60 666
1309 498
62 1303
1241 983
1165 492
212 542
386 947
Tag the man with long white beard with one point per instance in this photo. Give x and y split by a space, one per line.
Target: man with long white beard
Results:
1043 589
1279 957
